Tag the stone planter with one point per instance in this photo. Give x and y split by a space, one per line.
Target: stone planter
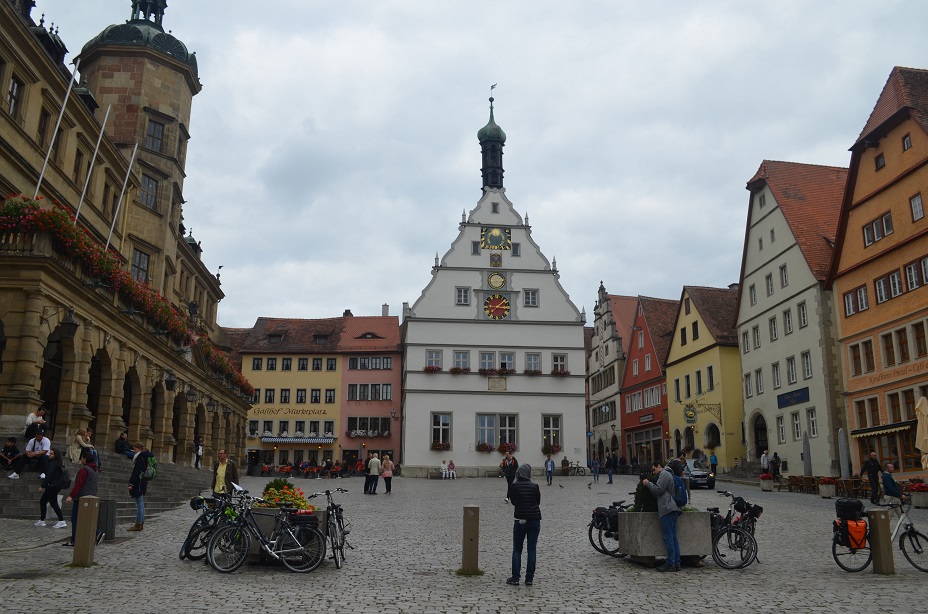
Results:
265 518
766 485
826 490
641 538
920 500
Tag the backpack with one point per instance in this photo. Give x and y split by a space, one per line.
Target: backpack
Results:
65 480
151 471
679 494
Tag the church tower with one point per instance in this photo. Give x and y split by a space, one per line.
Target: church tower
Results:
491 342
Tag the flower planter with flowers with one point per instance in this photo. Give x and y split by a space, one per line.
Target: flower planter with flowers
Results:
432 369
484 447
507 446
459 370
550 449
439 446
919 492
766 481
488 372
827 487
560 372
532 372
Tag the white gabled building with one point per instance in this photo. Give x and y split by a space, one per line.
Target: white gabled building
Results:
494 347
786 320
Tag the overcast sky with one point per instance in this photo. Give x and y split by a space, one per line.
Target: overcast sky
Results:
334 144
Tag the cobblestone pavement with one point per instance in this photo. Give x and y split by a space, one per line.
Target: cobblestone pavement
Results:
407 546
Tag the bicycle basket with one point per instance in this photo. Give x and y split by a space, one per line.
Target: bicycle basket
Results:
741 506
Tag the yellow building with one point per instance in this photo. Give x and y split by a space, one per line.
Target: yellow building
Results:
705 410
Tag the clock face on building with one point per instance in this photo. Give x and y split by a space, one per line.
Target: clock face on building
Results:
496 280
495 238
496 307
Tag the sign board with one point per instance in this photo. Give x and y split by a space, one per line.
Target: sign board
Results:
788 399
689 414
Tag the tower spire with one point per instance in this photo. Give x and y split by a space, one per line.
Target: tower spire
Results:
492 139
149 10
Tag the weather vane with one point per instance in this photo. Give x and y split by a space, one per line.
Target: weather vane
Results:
492 87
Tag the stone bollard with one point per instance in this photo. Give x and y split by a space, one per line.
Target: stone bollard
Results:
471 540
85 536
881 546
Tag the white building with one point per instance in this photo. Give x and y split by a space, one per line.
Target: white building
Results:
494 348
786 320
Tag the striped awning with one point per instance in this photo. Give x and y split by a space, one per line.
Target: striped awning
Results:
883 430
297 440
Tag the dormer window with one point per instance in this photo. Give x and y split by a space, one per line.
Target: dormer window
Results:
906 142
320 339
275 338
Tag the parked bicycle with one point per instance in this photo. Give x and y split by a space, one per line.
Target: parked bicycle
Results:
603 530
733 543
575 468
336 527
212 513
850 545
295 539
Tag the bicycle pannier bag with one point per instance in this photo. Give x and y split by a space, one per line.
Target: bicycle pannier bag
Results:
600 518
849 509
856 533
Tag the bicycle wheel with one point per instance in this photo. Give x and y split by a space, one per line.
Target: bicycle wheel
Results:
197 524
581 471
197 544
609 542
850 559
914 546
228 548
733 548
338 555
594 538
301 549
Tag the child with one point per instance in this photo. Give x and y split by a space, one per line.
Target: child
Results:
444 470
451 472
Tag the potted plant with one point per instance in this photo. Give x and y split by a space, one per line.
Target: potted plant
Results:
507 447
459 370
919 492
441 445
766 481
432 369
550 449
488 371
556 372
484 447
532 372
826 487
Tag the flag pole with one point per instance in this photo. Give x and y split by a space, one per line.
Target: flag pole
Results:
92 161
121 193
51 143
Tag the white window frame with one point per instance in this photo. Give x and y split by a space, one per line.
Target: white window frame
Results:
895 284
791 370
647 362
781 429
635 367
533 361
784 276
812 422
462 296
768 280
759 381
918 209
530 297
462 359
559 362
507 360
755 334
487 360
752 292
787 321
441 427
748 388
775 375
433 358
797 426
806 364
774 333
745 342
803 314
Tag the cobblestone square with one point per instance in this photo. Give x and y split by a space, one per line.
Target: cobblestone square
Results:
407 546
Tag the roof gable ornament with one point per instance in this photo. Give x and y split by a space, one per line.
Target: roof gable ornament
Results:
149 10
492 139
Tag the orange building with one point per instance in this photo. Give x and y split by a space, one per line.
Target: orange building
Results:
879 274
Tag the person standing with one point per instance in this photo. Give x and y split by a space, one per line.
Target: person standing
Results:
375 473
367 474
595 467
667 510
619 465
138 485
386 470
525 496
713 462
225 472
872 468
50 487
85 485
509 466
764 463
549 470
775 465
610 465
198 452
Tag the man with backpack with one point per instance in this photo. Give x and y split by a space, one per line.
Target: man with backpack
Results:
138 482
667 509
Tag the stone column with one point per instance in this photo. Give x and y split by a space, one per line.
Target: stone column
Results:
22 395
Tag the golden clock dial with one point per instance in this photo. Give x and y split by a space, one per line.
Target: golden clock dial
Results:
495 238
496 307
496 280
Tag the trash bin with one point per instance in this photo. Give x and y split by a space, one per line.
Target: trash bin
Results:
106 520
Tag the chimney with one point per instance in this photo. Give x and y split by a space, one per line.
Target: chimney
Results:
385 310
347 314
733 286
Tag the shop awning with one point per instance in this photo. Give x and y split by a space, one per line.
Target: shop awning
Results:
883 430
316 440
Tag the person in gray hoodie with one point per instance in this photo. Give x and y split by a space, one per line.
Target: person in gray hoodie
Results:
667 510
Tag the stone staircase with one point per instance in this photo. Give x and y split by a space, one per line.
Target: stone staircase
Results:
173 486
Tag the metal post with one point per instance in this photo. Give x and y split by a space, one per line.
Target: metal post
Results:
86 533
881 545
90 166
51 142
121 194
471 540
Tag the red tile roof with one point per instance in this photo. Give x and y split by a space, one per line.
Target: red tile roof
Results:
345 334
623 313
660 315
718 308
810 197
906 88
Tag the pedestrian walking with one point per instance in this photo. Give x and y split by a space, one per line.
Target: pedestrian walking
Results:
595 467
138 485
198 452
764 463
509 467
51 485
713 462
775 465
386 472
525 495
549 470
610 465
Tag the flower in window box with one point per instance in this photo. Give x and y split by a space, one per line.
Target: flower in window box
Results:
432 369
507 446
557 372
488 371
441 445
349 433
459 370
532 372
484 447
312 435
298 434
505 371
385 434
550 449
